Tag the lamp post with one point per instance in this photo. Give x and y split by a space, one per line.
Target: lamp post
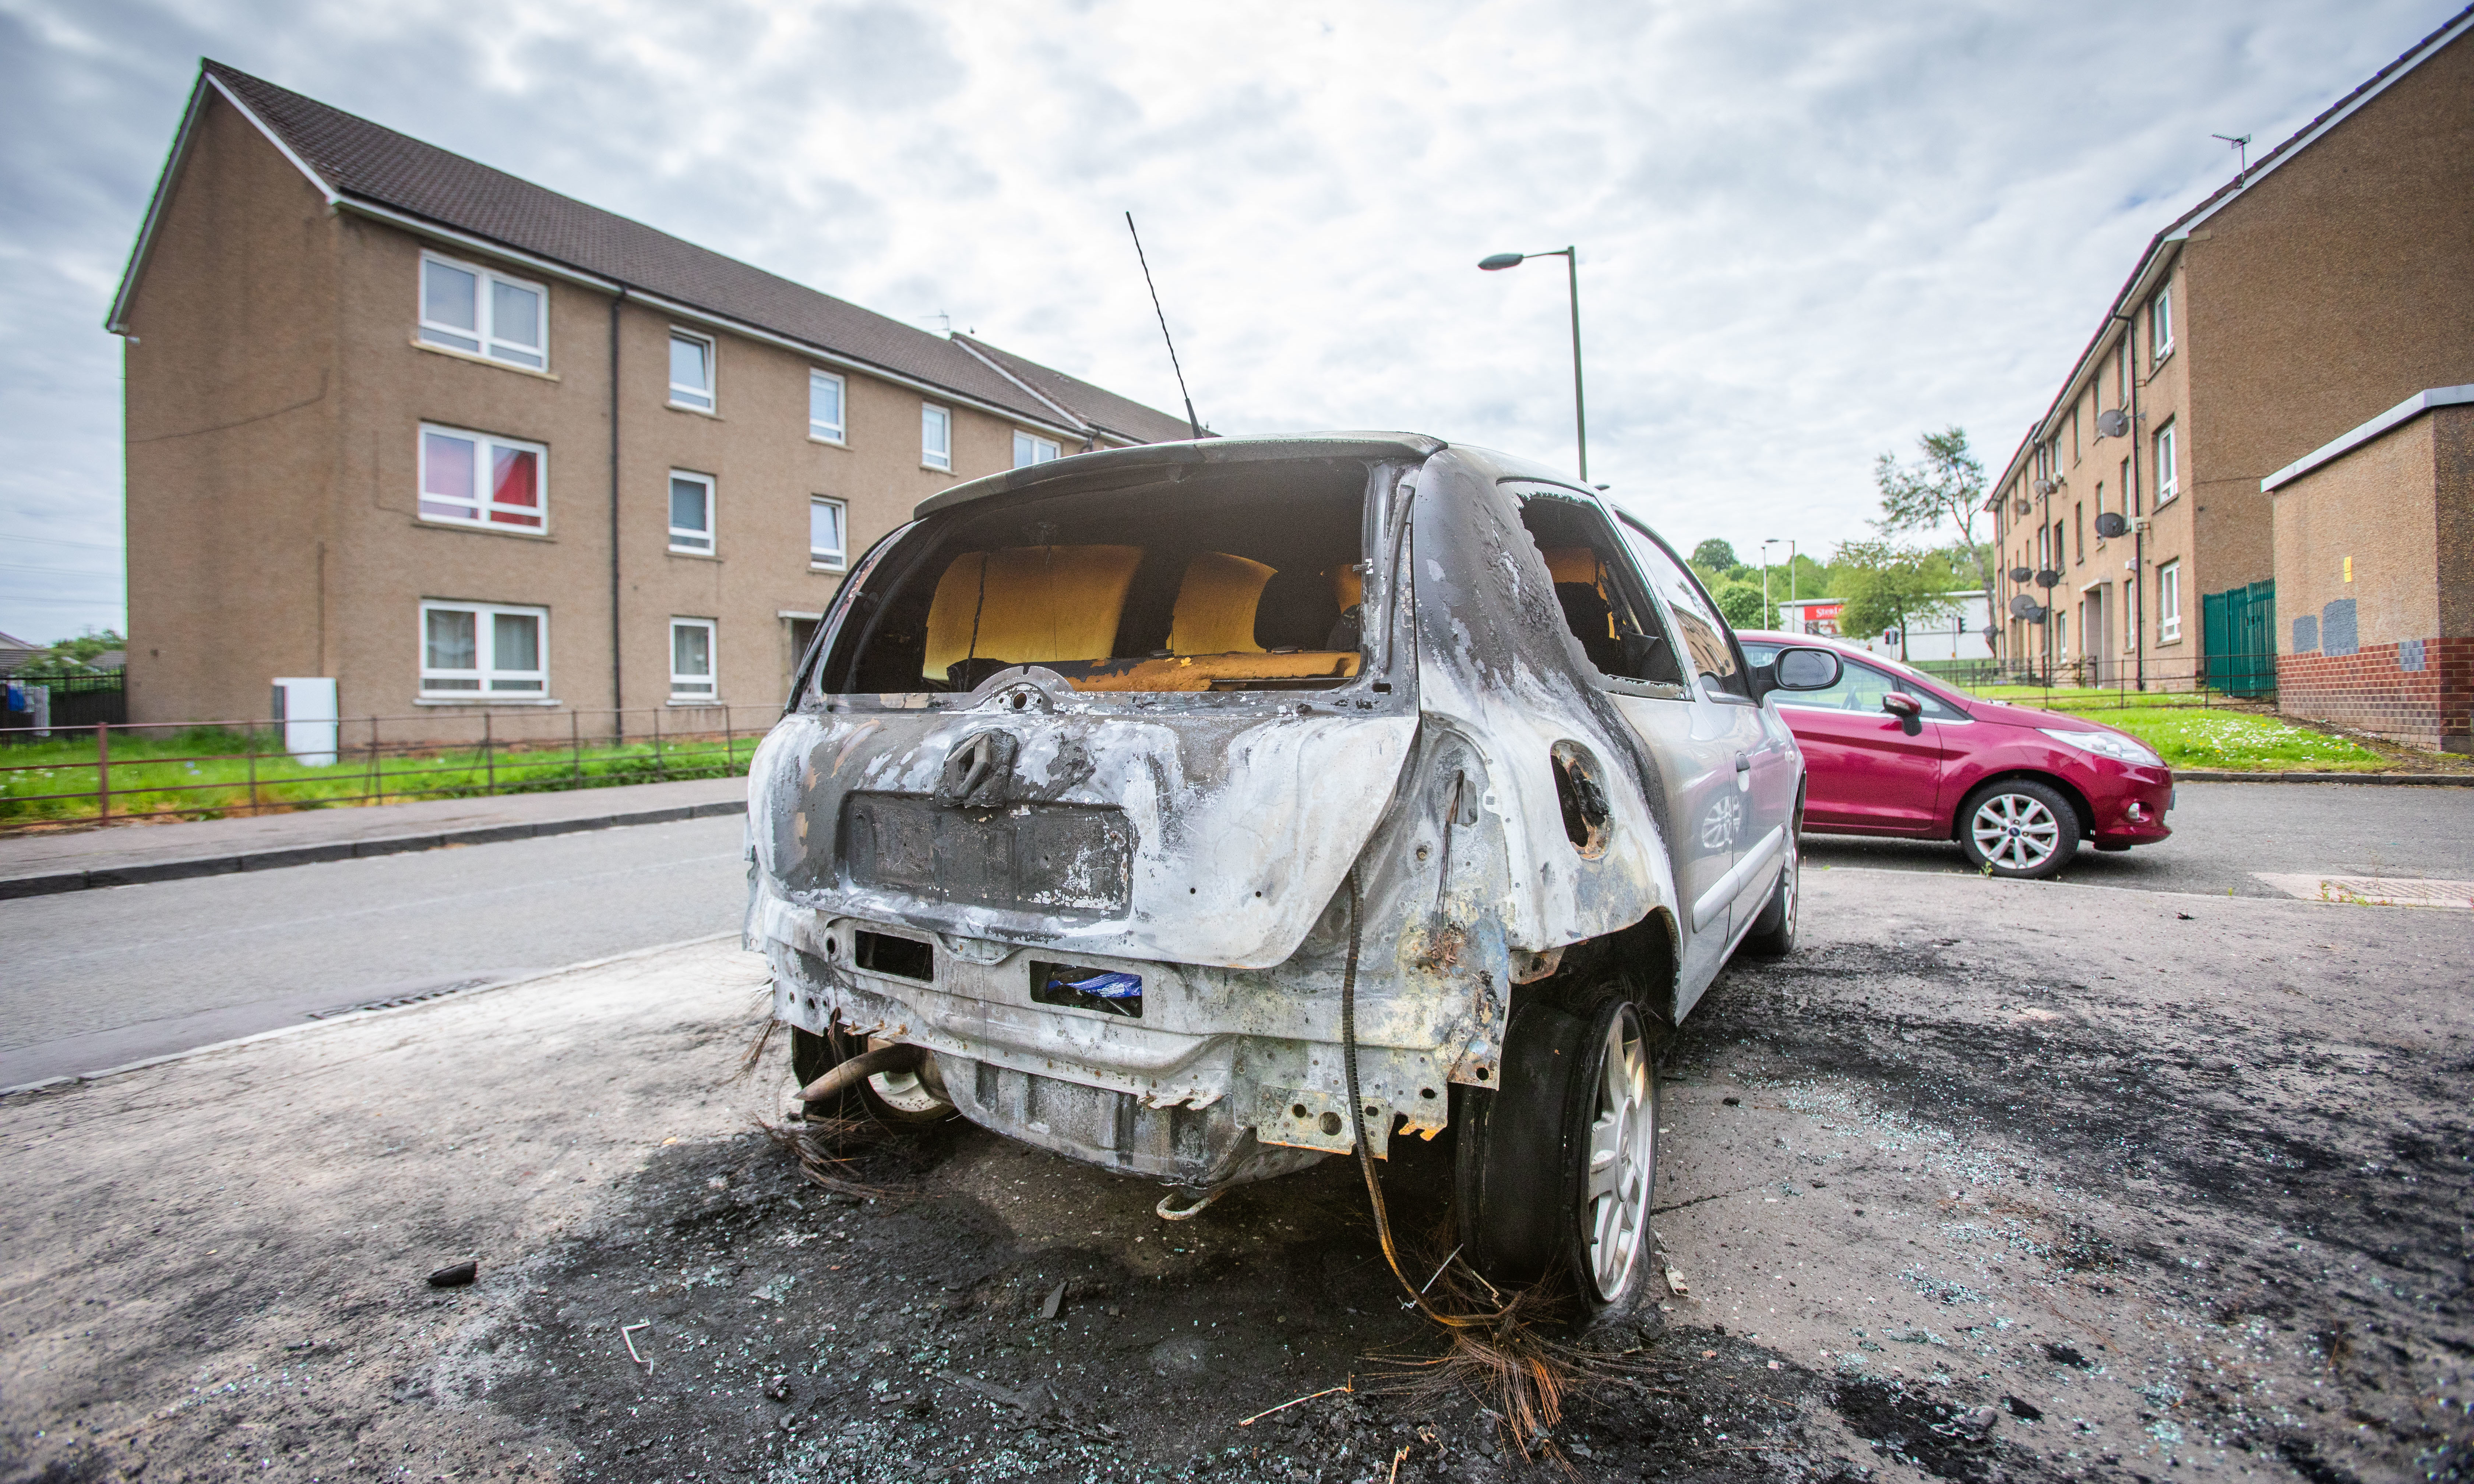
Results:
1777 540
1572 265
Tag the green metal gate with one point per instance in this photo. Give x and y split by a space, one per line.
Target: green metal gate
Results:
2240 638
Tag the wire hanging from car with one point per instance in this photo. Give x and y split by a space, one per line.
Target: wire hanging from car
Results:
1357 1126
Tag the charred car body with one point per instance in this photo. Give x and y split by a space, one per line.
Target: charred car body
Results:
1105 777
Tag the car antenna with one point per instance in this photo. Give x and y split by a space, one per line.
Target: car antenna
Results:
1191 419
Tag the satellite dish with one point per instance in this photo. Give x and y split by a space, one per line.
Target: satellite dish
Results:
2046 487
2111 525
2021 574
2025 508
2023 607
2112 422
2040 614
2048 578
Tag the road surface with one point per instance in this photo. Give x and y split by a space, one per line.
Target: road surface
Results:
101 978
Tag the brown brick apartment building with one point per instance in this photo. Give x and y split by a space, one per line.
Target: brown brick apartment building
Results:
456 440
2329 282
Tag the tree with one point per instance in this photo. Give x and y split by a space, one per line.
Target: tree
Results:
1882 587
1741 603
1714 556
73 656
1946 486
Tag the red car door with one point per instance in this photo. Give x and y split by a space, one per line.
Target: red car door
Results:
1863 771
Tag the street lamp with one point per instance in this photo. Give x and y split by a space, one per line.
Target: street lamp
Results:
1572 265
1777 540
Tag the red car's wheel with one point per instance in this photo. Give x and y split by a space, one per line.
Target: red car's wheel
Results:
2018 828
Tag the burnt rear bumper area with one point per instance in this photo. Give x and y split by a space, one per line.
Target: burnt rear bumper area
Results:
1204 1078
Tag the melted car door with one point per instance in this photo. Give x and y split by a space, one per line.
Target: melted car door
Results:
1867 771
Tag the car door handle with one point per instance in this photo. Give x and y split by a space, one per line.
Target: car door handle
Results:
1743 762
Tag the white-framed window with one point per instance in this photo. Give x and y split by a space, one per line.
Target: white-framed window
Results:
1029 448
827 534
935 437
692 668
480 479
825 392
2168 484
691 512
2160 325
483 651
691 370
480 311
2168 602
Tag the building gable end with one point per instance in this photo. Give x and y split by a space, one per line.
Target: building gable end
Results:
208 88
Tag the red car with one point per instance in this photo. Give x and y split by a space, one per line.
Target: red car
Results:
1890 751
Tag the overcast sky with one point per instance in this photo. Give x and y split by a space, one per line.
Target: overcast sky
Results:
1808 233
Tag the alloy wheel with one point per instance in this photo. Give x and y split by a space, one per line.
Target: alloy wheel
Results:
1615 1197
2015 832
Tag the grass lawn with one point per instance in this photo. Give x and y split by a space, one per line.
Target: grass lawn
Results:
206 773
2188 734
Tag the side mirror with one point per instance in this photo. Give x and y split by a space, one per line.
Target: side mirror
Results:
1909 711
1801 669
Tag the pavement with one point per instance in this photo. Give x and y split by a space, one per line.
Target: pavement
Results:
1989 1180
47 862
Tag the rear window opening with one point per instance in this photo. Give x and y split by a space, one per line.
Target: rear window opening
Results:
902 958
1103 989
1242 579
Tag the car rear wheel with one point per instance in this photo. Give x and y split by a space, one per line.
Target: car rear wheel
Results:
891 1097
2018 828
1557 1165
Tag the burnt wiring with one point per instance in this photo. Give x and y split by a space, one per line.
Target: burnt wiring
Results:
1357 1126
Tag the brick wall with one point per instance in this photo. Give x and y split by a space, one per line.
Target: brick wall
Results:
2379 689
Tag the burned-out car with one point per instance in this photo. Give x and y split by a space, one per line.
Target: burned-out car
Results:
1137 805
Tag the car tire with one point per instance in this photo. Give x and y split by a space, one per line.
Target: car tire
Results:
1556 1166
1773 934
889 1097
2018 829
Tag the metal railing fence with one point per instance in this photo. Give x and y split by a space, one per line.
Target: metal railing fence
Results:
122 772
2244 681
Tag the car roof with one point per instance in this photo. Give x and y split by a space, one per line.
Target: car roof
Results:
1188 452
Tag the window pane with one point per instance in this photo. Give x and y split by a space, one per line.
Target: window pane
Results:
690 649
446 469
515 315
514 640
1701 633
824 406
516 481
687 504
690 371
825 529
448 634
448 296
933 442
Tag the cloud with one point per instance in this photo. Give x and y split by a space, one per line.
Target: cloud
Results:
1807 233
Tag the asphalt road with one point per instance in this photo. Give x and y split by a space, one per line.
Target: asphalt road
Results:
1989 1182
2224 832
97 980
